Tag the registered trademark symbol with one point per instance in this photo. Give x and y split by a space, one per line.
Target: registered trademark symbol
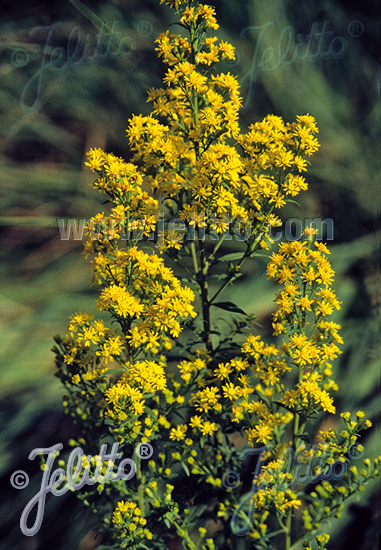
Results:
144 450
145 28
355 29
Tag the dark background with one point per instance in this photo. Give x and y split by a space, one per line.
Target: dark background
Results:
53 109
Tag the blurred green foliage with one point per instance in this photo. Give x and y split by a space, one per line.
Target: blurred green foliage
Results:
55 105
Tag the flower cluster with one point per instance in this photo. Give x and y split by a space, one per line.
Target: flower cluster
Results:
306 275
134 210
130 525
183 148
328 499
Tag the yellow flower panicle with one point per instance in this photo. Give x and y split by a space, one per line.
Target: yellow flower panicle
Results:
192 163
182 146
135 211
154 303
243 386
130 525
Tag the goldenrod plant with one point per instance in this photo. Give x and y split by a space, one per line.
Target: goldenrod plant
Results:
240 459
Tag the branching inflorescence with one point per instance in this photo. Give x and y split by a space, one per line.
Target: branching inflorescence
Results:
154 368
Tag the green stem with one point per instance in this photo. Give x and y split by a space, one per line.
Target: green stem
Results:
205 301
229 278
288 541
141 477
213 254
194 257
288 531
250 251
296 430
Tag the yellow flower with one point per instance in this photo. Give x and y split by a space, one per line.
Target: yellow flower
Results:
230 391
208 428
178 433
223 370
207 399
261 433
195 421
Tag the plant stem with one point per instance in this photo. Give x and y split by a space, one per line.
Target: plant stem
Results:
141 477
288 531
194 257
229 278
205 301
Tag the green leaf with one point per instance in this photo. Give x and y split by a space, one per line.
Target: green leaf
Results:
293 202
284 406
185 468
196 512
307 497
229 306
112 371
304 438
231 257
260 255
